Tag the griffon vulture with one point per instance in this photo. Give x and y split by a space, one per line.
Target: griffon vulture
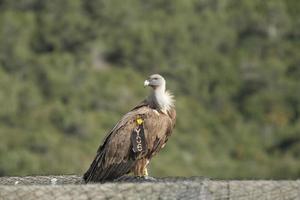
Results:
137 137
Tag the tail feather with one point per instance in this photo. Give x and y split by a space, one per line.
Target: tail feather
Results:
100 172
88 175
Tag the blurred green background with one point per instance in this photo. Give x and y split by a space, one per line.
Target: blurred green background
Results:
69 69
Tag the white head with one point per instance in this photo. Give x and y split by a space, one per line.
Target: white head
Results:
156 81
160 97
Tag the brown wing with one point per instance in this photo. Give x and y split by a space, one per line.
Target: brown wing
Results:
113 156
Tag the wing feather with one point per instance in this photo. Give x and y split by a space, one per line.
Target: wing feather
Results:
113 157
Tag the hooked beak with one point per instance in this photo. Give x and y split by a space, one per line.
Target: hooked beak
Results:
146 83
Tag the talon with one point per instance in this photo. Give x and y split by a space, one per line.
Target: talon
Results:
149 178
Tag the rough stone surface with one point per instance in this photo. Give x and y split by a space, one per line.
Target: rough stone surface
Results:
72 187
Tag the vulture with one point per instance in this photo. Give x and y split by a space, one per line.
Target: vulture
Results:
137 137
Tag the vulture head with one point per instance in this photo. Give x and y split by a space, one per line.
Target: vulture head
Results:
156 81
161 98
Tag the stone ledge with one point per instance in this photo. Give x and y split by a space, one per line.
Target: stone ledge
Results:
72 187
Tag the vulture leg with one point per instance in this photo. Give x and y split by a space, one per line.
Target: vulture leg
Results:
140 169
145 172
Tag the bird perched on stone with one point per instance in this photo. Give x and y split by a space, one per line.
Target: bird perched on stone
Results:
137 137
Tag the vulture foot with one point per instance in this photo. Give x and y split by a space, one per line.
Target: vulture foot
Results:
148 178
135 179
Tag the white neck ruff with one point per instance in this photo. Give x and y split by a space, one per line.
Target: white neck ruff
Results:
162 99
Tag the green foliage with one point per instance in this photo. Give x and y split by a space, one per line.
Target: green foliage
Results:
70 69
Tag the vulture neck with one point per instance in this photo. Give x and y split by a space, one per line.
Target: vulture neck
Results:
161 99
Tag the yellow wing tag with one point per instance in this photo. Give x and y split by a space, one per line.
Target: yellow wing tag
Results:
139 121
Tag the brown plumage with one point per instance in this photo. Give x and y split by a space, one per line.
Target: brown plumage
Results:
116 157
